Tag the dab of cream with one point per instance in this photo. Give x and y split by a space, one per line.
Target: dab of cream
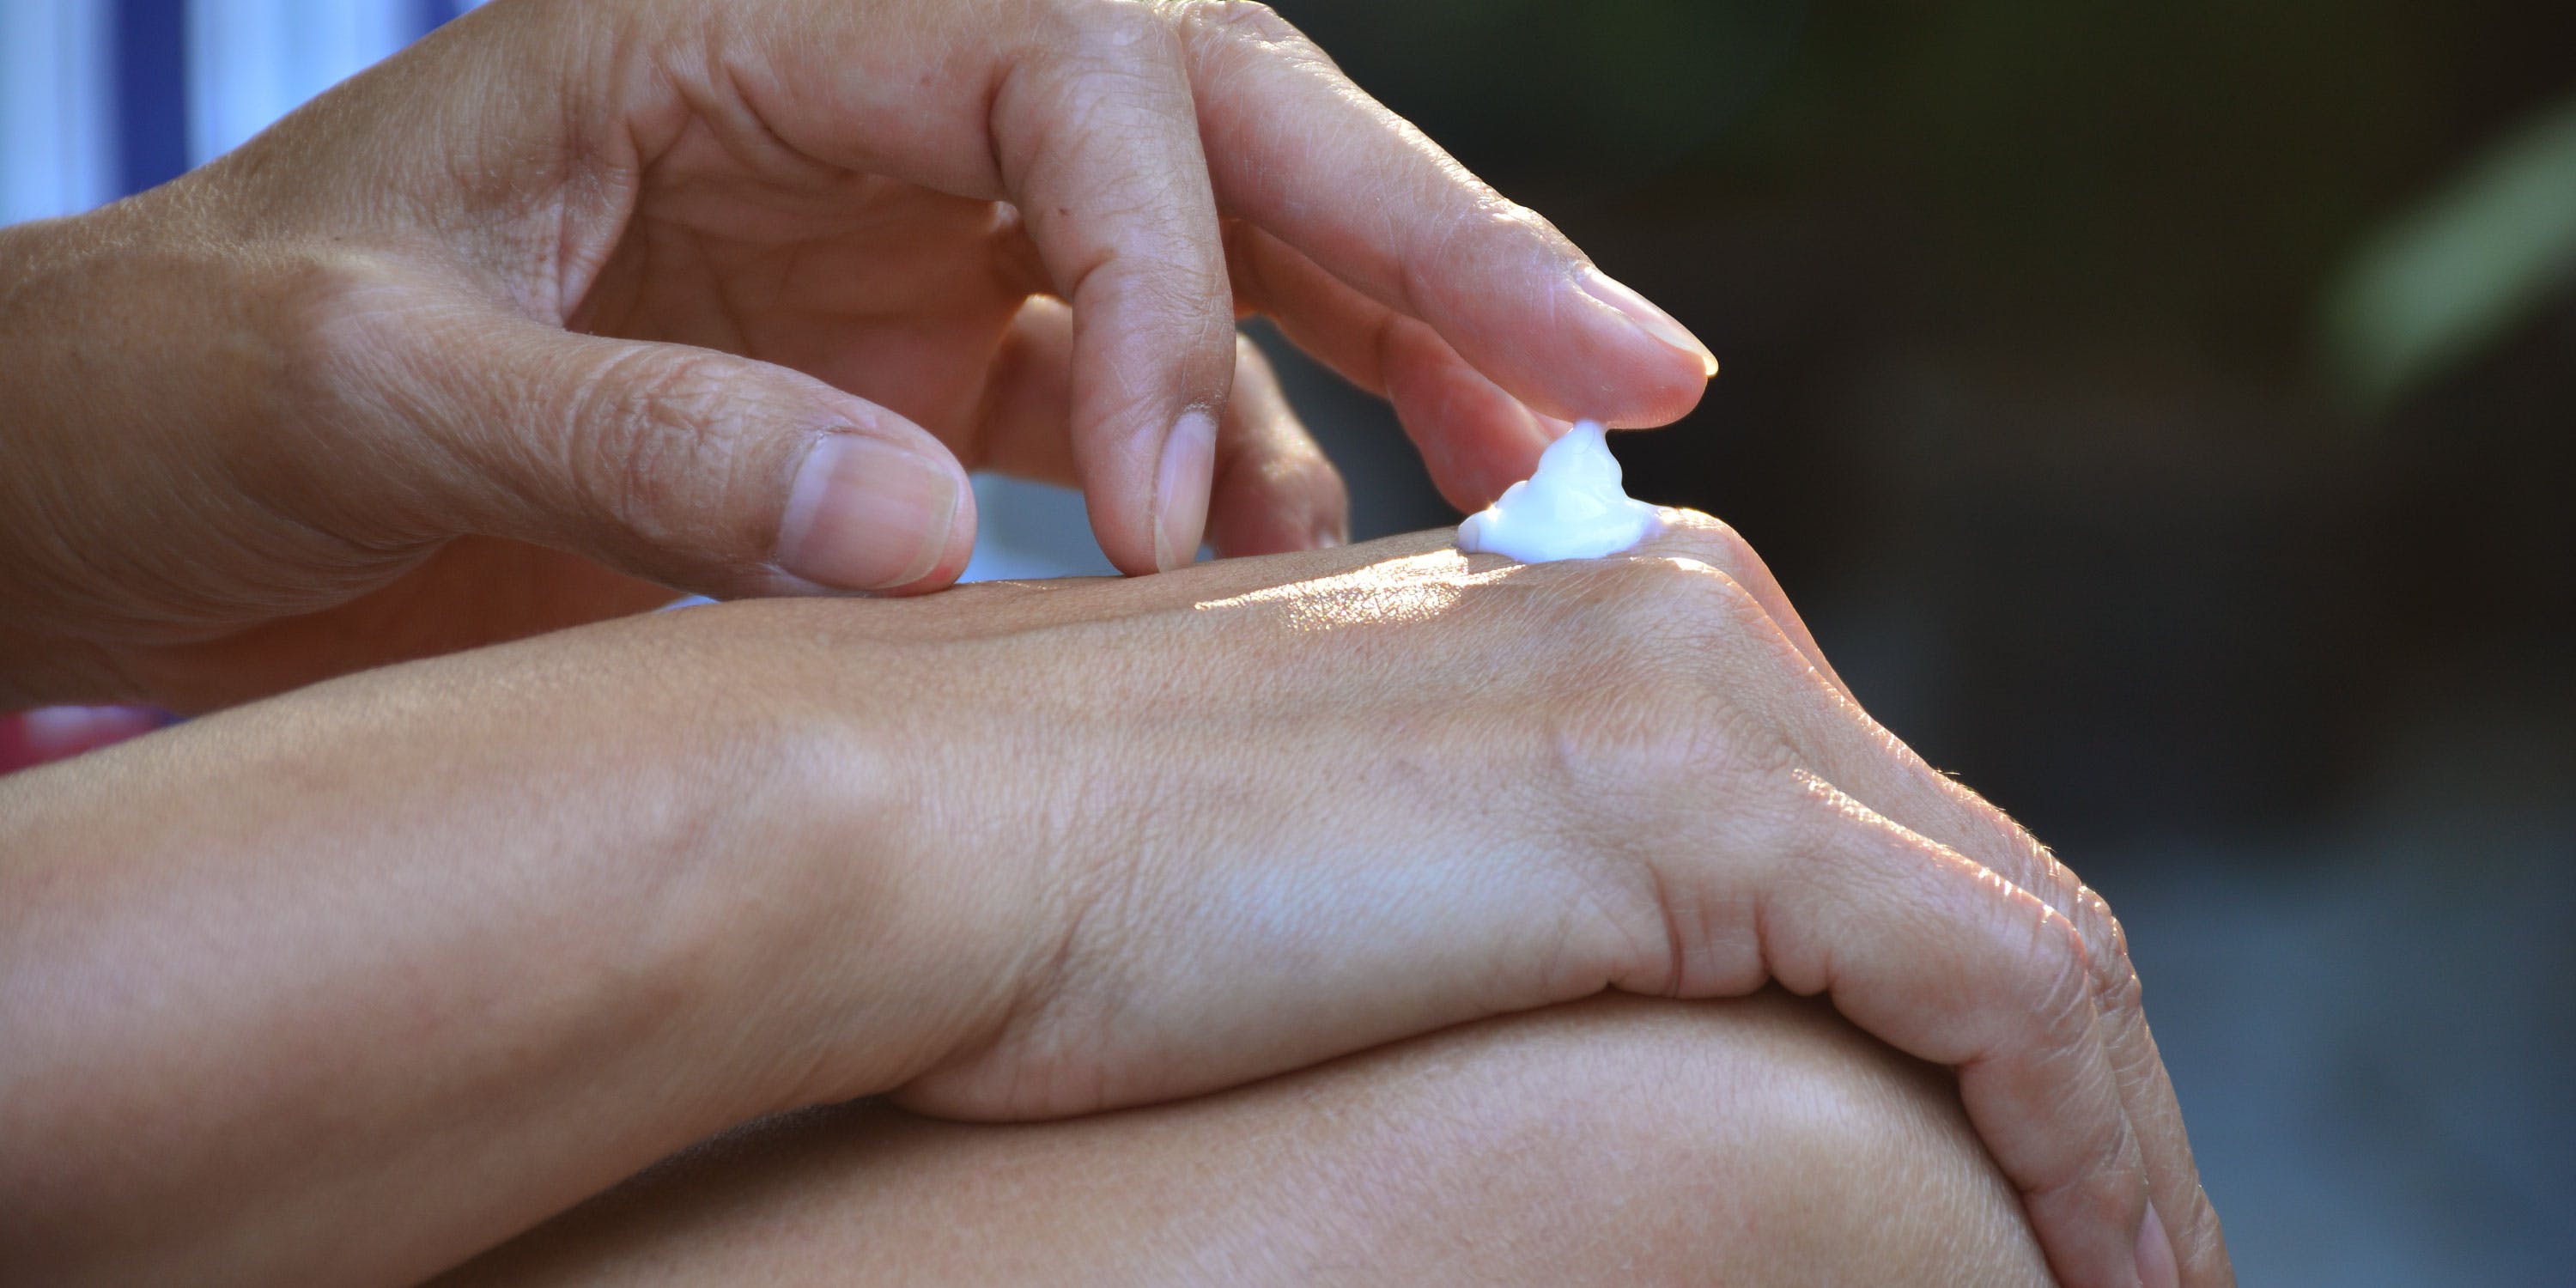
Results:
1573 508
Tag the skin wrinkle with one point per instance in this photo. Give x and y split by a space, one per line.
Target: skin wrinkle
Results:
605 167
1077 281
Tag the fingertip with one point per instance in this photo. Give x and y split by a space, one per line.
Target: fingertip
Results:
1145 459
1660 370
1649 320
953 557
2157 1267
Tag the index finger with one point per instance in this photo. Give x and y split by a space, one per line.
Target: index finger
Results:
1299 150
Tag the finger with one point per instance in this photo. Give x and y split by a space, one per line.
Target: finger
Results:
1298 149
1693 535
1942 958
692 468
1877 768
1475 439
1097 142
1274 490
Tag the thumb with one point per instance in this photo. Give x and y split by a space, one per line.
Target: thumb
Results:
700 469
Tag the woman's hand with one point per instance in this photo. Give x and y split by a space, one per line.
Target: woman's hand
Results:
1018 850
722 296
1279 821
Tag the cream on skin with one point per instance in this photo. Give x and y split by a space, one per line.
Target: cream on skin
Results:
1573 508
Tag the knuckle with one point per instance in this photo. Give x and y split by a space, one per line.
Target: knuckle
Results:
336 316
1121 28
2116 986
638 417
1678 590
1242 29
1643 715
1488 235
2060 973
1687 604
1183 290
1710 540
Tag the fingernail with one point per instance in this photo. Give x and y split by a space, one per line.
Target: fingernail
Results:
866 514
1656 323
2156 1265
1181 490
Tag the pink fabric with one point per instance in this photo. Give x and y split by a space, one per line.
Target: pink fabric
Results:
30 738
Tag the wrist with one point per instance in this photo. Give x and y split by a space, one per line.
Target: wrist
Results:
881 931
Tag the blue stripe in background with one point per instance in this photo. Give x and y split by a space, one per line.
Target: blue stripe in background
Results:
80 132
152 88
434 12
151 92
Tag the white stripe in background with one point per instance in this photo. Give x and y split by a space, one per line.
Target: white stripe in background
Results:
57 123
253 61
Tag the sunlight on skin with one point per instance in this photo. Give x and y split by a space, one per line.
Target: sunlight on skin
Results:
1413 589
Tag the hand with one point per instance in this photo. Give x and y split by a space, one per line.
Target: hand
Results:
722 297
1014 851
1293 808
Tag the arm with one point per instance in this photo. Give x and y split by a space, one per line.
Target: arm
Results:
1150 839
385 969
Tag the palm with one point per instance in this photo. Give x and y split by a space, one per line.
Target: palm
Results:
889 291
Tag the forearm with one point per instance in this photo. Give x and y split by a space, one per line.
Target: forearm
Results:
397 946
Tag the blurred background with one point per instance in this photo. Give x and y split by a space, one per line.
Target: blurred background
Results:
2163 414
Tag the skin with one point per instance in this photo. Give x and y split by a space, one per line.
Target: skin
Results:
1026 851
557 311
599 280
1615 1141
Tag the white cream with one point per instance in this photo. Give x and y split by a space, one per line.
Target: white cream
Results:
1573 508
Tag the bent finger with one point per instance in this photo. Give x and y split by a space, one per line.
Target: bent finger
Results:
1299 150
1097 142
1878 769
1475 439
1942 958
1274 490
